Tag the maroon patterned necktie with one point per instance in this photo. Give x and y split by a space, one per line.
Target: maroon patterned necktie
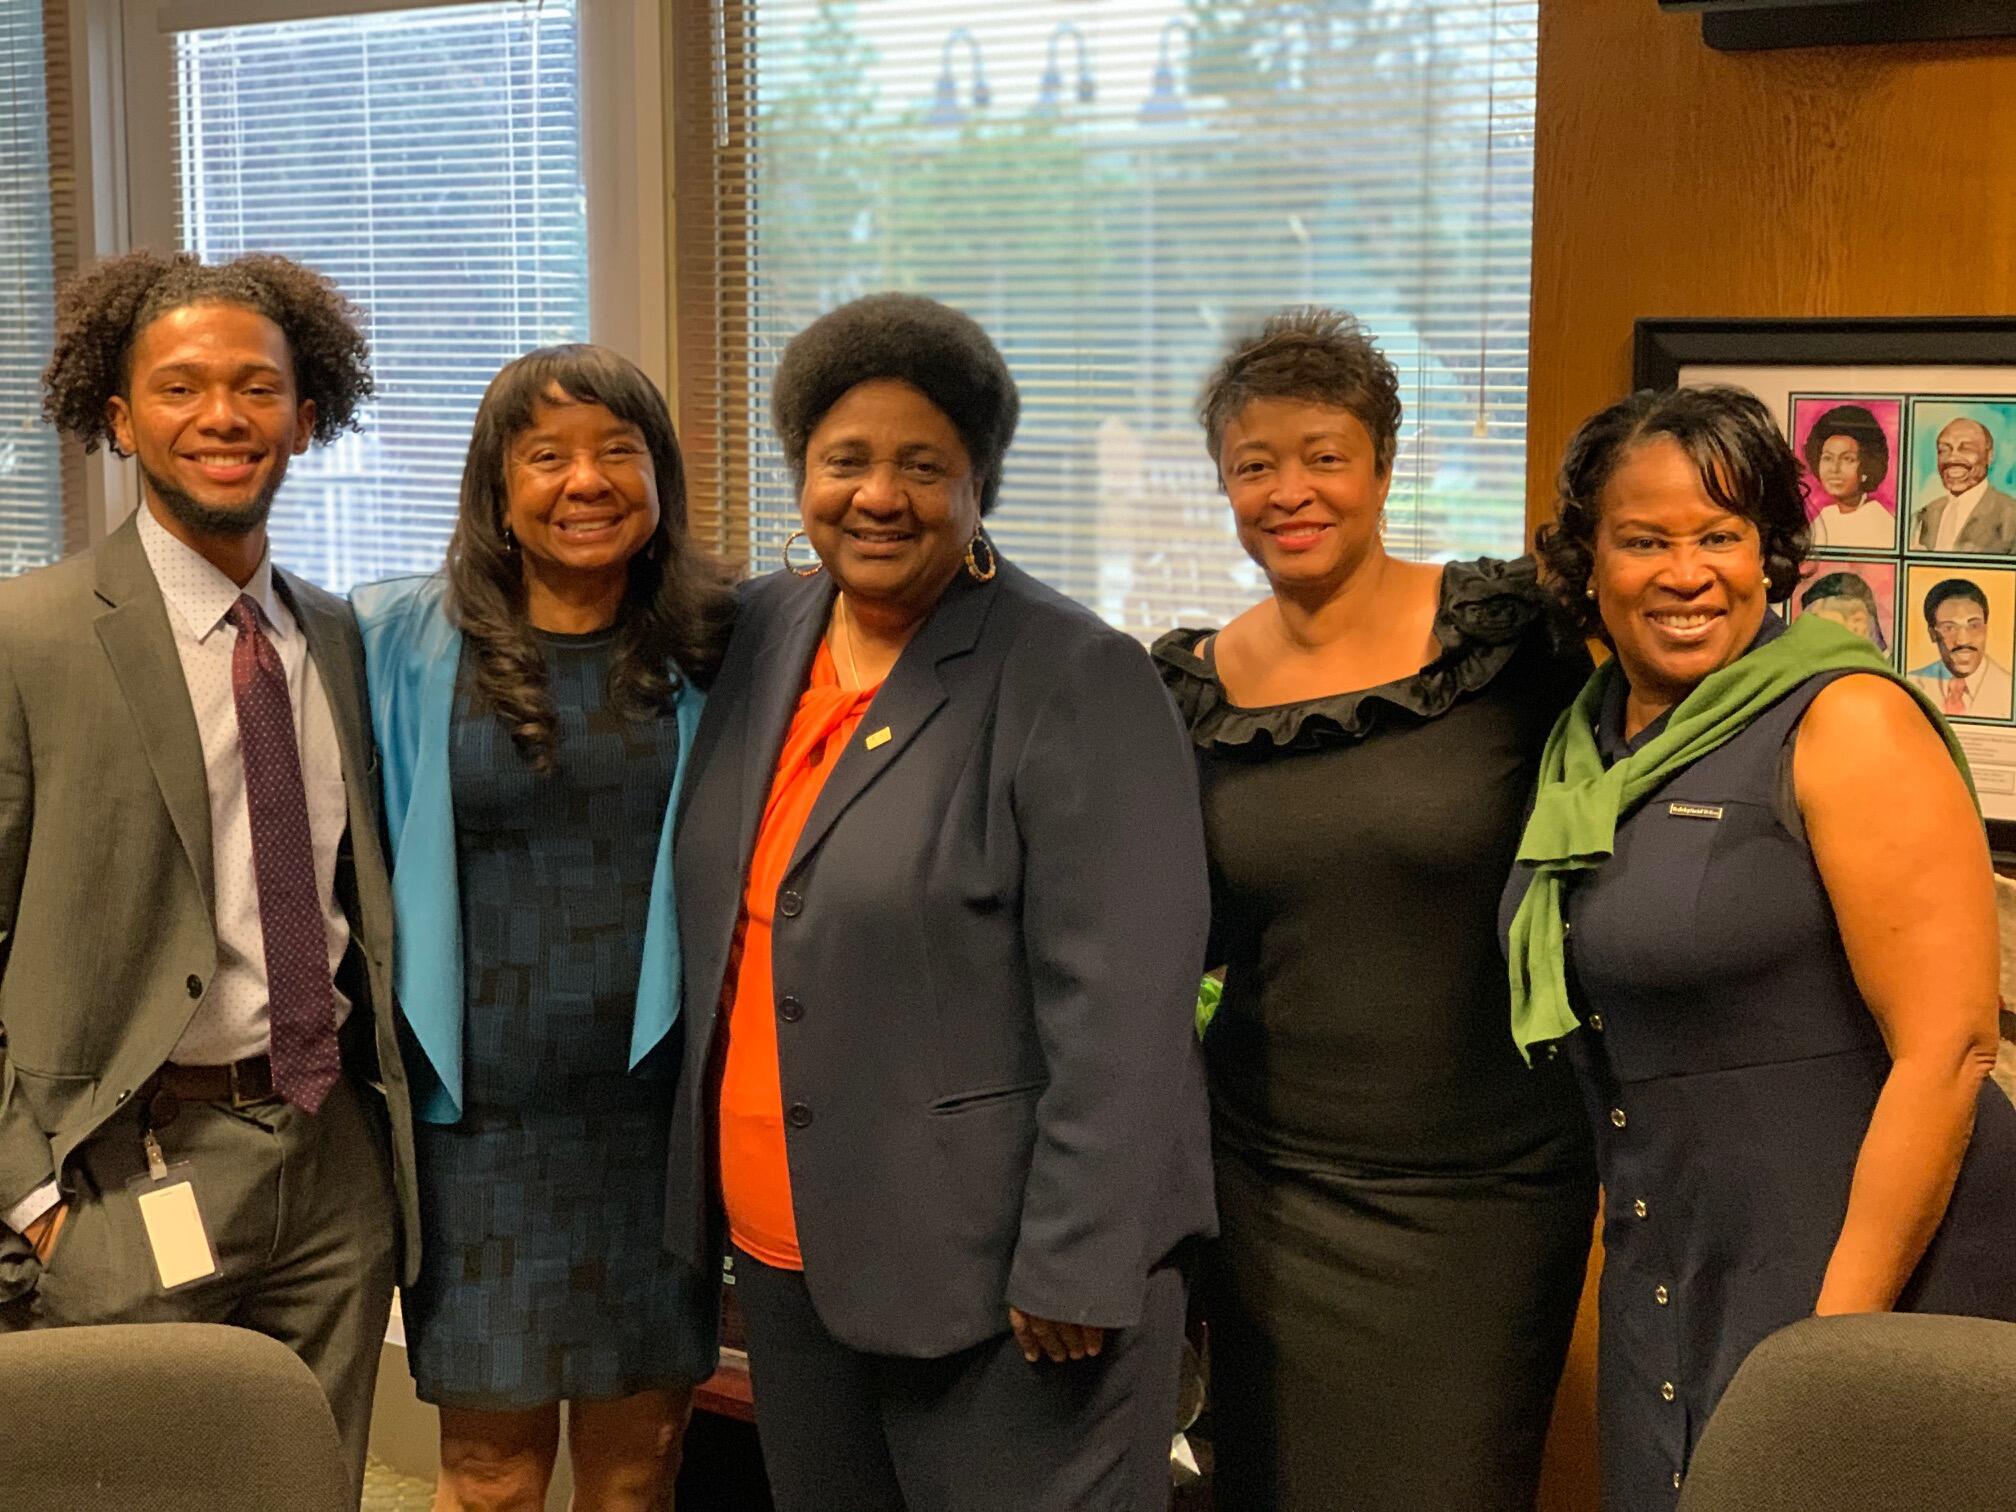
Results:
301 1002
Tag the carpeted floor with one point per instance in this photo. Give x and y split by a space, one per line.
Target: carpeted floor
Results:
386 1490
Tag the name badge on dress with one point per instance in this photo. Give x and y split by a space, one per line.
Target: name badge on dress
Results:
174 1223
1695 810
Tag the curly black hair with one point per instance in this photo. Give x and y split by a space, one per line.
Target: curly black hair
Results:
1859 426
677 606
1311 353
101 312
939 351
1743 460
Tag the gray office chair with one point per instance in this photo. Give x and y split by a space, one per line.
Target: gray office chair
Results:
1881 1412
173 1417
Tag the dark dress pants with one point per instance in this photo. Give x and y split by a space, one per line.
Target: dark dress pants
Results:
300 1215
982 1430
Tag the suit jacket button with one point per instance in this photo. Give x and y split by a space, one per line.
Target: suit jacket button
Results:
790 1009
798 1116
195 986
789 904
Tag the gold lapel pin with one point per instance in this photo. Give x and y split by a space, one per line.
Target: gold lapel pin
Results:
881 737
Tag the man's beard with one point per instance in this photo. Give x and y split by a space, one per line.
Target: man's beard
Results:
206 519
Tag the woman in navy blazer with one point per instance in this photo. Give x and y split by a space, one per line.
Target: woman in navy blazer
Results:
535 705
984 942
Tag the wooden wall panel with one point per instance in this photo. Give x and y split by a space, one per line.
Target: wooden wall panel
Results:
1675 180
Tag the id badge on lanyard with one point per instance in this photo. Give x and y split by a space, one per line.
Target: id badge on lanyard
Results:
168 1210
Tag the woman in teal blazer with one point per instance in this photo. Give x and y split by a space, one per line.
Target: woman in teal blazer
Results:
535 703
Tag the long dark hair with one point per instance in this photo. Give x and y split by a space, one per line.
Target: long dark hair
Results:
676 606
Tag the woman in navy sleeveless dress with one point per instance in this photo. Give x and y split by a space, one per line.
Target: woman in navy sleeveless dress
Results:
1759 943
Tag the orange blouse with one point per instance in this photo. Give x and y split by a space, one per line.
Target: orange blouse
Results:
755 1173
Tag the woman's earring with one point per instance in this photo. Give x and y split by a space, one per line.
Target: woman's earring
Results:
510 540
973 567
1767 582
790 566
1589 593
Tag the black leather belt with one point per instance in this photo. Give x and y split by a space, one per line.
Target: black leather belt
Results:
238 1084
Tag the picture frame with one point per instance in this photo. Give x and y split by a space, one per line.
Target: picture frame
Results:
1906 429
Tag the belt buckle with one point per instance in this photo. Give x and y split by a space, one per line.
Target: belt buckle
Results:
238 1100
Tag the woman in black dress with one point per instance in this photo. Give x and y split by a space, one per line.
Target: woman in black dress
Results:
1756 909
534 704
1406 1208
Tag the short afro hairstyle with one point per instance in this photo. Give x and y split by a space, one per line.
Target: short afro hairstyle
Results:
937 350
103 310
1314 354
1743 460
1859 426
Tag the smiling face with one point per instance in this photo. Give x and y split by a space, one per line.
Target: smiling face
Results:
1305 488
1965 450
890 498
212 415
581 492
1840 469
1960 631
1679 580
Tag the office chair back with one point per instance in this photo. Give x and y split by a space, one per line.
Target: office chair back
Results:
1868 1413
173 1417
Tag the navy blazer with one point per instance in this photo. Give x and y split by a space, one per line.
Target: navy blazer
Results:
986 954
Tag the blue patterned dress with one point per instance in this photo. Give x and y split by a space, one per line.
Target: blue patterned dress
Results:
543 1272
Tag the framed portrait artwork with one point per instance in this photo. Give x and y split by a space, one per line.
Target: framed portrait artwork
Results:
1907 432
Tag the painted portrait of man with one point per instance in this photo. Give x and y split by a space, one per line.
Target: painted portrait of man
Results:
1961 509
1966 681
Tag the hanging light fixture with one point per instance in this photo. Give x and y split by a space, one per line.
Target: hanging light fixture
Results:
945 107
1164 102
1050 90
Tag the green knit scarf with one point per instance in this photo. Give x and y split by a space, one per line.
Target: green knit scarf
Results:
1579 803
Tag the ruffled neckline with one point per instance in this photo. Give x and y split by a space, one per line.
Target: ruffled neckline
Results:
1487 609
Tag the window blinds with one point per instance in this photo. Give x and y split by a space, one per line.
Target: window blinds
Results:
1113 191
31 507
430 162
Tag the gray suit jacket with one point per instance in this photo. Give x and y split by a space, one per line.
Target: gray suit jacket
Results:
1991 528
107 939
986 954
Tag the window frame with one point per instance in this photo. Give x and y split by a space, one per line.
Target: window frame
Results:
121 70
712 54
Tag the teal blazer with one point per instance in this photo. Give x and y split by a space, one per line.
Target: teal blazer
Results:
411 653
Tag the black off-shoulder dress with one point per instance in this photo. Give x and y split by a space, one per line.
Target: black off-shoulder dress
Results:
1406 1206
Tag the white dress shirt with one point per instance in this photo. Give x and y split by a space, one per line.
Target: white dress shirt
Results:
1870 525
230 1023
1957 514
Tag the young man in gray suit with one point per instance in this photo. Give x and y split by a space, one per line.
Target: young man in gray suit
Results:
202 1107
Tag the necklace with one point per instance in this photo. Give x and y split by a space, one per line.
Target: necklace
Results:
846 638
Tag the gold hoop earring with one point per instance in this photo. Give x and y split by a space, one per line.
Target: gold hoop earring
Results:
973 568
814 570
